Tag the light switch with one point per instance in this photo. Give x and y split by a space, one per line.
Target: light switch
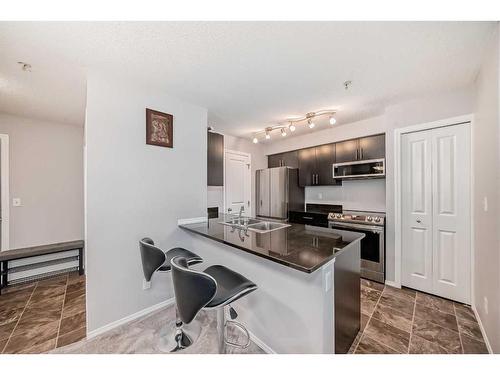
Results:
146 284
16 202
320 195
485 204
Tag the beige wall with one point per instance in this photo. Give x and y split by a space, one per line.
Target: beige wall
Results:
486 185
46 172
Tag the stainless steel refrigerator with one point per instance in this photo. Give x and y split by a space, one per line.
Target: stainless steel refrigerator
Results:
278 192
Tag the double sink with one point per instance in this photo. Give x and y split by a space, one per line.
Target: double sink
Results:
255 225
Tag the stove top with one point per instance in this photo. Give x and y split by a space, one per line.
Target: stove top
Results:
358 217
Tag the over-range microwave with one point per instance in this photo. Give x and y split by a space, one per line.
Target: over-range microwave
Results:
374 168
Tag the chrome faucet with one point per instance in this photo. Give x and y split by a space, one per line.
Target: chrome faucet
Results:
241 212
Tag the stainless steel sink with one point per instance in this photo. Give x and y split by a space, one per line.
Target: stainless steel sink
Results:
254 224
240 222
266 226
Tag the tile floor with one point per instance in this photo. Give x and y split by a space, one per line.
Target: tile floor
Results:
38 317
406 321
50 314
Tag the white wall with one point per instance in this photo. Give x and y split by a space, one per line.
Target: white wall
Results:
135 190
434 106
46 172
486 185
358 195
258 156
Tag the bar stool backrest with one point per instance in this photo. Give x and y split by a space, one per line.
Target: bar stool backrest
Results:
152 257
193 289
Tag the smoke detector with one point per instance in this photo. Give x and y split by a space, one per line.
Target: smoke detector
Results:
25 66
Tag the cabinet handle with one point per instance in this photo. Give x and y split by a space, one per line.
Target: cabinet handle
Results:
317 179
307 217
361 153
357 153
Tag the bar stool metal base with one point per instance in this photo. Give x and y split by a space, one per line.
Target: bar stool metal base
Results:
168 336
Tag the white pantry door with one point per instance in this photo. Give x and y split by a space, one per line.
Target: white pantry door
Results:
237 182
436 211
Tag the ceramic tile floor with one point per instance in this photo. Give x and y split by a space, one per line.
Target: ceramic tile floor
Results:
406 321
40 316
50 314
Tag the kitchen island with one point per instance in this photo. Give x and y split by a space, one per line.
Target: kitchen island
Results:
308 297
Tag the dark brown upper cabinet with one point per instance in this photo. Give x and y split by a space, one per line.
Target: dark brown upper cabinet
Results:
372 147
315 165
285 159
346 151
366 148
215 159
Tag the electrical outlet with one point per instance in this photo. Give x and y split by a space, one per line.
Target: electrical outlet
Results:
146 284
320 195
485 305
16 202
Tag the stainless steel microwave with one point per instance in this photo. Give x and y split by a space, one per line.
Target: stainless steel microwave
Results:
374 168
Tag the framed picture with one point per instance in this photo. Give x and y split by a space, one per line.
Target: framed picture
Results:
159 128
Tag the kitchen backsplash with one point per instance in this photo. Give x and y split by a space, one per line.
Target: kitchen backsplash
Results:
363 195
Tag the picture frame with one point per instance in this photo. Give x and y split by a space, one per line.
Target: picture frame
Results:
159 128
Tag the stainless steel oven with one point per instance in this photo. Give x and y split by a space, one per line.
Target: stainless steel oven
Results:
372 246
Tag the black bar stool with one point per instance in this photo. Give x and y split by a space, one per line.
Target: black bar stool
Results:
214 288
156 260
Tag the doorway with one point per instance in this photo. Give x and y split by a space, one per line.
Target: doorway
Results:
237 182
4 192
435 223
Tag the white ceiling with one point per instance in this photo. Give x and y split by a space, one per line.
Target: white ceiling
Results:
248 74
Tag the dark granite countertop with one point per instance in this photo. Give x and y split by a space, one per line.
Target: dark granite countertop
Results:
302 247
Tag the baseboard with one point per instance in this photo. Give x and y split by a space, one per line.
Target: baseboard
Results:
261 344
192 220
486 341
129 318
393 284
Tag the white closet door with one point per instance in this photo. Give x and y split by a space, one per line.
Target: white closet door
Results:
416 197
436 211
451 212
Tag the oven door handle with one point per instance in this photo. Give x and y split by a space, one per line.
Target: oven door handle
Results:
356 226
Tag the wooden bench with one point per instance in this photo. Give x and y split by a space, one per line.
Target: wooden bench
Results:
28 252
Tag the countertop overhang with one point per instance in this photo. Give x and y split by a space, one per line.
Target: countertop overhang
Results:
302 247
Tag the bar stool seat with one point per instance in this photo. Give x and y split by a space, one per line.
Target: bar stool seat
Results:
213 289
179 252
230 285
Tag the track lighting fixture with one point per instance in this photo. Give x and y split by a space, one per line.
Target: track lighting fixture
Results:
291 126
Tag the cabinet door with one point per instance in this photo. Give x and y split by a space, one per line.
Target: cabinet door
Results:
372 147
215 159
307 166
346 151
325 157
274 161
290 159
